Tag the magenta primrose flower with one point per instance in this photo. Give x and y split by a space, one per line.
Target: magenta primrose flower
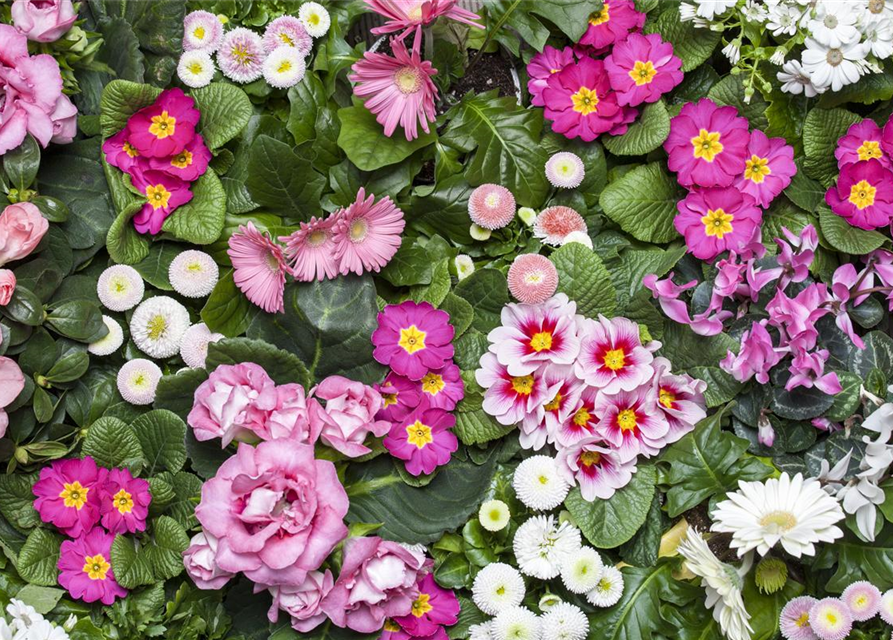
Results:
120 153
423 440
442 388
68 494
432 609
612 23
163 193
863 195
85 567
714 220
412 338
863 141
163 128
124 502
642 69
399 395
768 168
542 66
188 164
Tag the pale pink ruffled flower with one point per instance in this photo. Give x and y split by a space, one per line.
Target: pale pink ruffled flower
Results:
259 268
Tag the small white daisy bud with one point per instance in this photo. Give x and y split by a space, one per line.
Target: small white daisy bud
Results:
157 326
464 266
578 236
111 342
497 587
194 349
548 601
315 19
193 274
138 381
581 571
564 621
565 170
120 288
608 590
517 623
527 215
479 233
494 515
196 68
538 483
284 67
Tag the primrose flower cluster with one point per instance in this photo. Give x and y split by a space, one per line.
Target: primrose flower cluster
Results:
244 56
589 387
91 505
808 618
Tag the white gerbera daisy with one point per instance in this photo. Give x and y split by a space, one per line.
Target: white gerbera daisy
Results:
577 236
565 170
315 19
608 590
494 515
793 511
482 631
538 483
196 68
541 547
120 287
111 342
193 274
138 381
581 570
464 266
517 623
194 349
497 587
564 621
157 326
284 67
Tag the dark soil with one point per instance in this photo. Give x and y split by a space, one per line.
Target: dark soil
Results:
426 174
718 542
492 71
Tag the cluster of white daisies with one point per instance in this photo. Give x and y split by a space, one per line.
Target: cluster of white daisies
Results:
25 623
244 56
159 326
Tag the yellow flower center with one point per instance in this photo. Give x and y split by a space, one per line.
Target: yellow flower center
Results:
155 326
415 13
284 66
555 403
419 434
421 606
130 151
408 80
541 341
626 420
803 620
862 194
242 55
96 567
615 359
195 68
778 521
74 495
601 17
313 19
756 169
317 238
157 196
163 125
199 33
358 229
286 39
389 399
666 398
582 417
643 72
585 101
706 145
590 458
182 160
411 339
522 385
123 502
717 223
390 625
433 383
870 149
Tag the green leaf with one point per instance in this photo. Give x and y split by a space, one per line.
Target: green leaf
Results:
847 401
366 145
721 387
165 555
20 164
444 210
410 265
281 181
24 307
486 291
806 193
17 501
186 490
822 129
643 203
609 523
877 354
130 563
124 243
690 44
461 313
155 268
858 560
730 91
69 368
438 289
642 549
583 277
43 599
643 136
685 349
225 110
846 238
113 443
571 16
283 367
227 310
120 100
52 209
39 557
786 115
79 320
870 88
175 392
764 608
476 427
200 221
162 436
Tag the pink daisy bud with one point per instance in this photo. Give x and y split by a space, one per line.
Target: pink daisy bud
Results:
863 599
287 31
241 55
554 224
794 619
532 278
491 206
565 170
830 619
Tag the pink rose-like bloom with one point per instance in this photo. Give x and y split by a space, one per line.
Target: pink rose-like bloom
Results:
680 399
412 338
756 358
68 494
580 103
642 69
768 168
350 408
233 404
863 141
612 24
377 581
85 566
276 512
65 120
423 440
399 395
259 268
630 422
165 127
717 219
124 502
200 560
366 234
612 357
863 195
12 381
408 16
303 602
7 286
511 399
442 388
542 66
295 416
707 145
594 466
164 193
433 608
22 227
43 20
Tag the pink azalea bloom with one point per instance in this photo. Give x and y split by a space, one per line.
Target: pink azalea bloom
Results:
399 395
276 512
612 23
795 317
259 268
756 358
120 153
294 416
85 566
511 399
717 219
680 398
366 234
708 323
311 250
7 287
595 467
863 195
287 31
580 103
377 581
164 193
423 440
768 168
303 602
350 415
580 421
533 335
432 609
630 422
12 381
642 69
22 227
442 388
124 502
68 494
612 357
707 145
200 560
808 370
542 66
187 165
164 128
408 16
413 338
863 141
398 90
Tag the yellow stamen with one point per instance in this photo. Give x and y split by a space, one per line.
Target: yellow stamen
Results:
433 383
862 194
541 341
96 567
643 72
717 223
123 502
522 385
706 145
163 125
585 101
74 494
756 169
412 339
615 359
419 434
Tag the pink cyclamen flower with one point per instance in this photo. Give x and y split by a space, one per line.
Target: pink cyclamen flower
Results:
12 381
756 357
85 566
7 287
366 234
200 560
579 421
408 16
68 494
442 388
532 335
768 168
511 399
863 600
863 141
795 254
680 398
795 318
707 145
259 267
124 502
43 20
491 206
642 69
22 227
350 411
842 281
276 512
863 195
612 357
595 467
287 31
432 609
707 323
830 619
580 103
808 370
120 153
542 66
400 395
187 165
423 440
311 250
612 23
794 619
165 127
202 30
303 602
398 90
241 55
714 220
377 581
631 423
532 278
164 193
412 338
554 224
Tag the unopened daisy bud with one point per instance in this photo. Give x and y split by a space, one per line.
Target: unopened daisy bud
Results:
581 571
609 589
517 623
497 587
538 484
565 170
548 601
527 215
771 575
194 349
193 274
580 237
863 599
564 621
479 233
138 381
120 287
464 266
315 19
111 342
223 19
494 515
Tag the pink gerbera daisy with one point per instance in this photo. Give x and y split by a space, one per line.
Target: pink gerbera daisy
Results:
554 224
311 250
85 566
630 422
241 55
863 141
511 399
124 502
768 168
399 396
413 338
410 15
442 388
163 193
287 31
612 23
580 103
642 69
863 195
597 468
68 493
491 206
366 234
794 619
716 220
532 278
423 440
258 268
398 90
542 66
679 398
580 421
612 357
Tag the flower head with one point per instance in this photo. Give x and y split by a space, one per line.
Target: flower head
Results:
863 600
195 69
565 170
580 103
581 571
497 587
85 566
542 66
680 398
612 24
714 220
494 515
612 357
863 141
442 388
137 381
202 31
284 67
163 128
287 31
532 278
432 608
579 419
830 619
491 206
258 268
511 399
886 611
193 274
609 589
120 287
538 484
863 195
630 422
541 546
194 346
120 153
794 619
768 168
157 326
124 502
315 18
517 623
111 341
564 621
241 55
350 415
554 224
423 439
163 193
413 338
311 249
68 494
598 469
400 395
642 69
303 602
367 234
